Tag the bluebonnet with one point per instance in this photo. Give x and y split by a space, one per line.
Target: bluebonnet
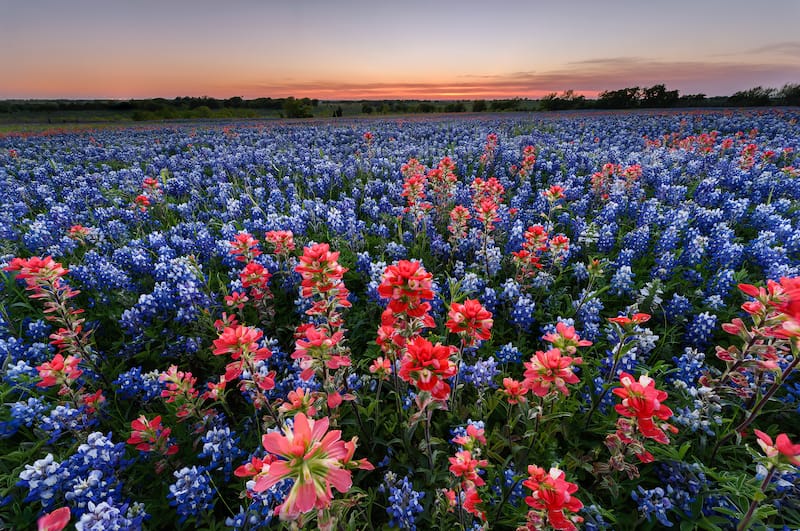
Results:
481 374
192 493
220 448
508 353
105 515
134 384
622 281
677 307
700 330
654 503
686 480
43 480
91 472
30 411
593 519
522 313
489 299
404 502
66 419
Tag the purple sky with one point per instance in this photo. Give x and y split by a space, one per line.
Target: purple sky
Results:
379 49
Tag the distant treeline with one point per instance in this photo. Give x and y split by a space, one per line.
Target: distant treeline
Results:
656 96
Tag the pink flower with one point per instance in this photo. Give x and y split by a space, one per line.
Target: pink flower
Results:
381 367
282 240
550 369
148 436
315 458
471 320
552 494
244 247
782 447
427 365
514 390
59 371
464 466
642 401
566 339
55 520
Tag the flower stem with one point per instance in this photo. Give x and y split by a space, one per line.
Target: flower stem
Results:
753 504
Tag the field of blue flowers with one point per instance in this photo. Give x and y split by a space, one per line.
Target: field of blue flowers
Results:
568 321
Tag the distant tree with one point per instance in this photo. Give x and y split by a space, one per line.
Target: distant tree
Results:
235 102
366 108
426 107
455 106
479 106
626 98
658 96
505 105
790 94
293 108
567 100
754 97
337 112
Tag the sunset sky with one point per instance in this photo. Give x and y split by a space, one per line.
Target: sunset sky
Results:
426 49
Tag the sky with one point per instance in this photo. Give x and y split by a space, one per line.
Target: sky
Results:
381 49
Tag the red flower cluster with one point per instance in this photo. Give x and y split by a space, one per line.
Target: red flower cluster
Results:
244 247
149 436
470 320
241 342
641 402
59 371
566 339
281 240
427 365
552 499
459 217
321 273
39 273
256 277
528 259
548 370
407 285
781 450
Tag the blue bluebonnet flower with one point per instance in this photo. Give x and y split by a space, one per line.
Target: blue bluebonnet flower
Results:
702 327
593 519
508 353
29 412
43 480
133 384
404 502
192 493
220 448
654 503
481 374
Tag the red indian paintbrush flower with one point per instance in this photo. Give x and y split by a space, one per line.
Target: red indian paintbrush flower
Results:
59 371
320 271
552 494
315 458
641 401
566 339
54 521
244 247
282 240
426 365
471 320
149 436
550 369
782 448
465 466
406 285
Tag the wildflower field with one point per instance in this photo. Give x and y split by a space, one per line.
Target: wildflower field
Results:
578 321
